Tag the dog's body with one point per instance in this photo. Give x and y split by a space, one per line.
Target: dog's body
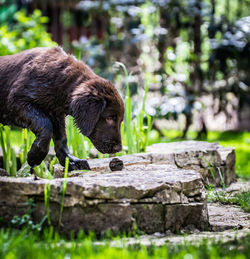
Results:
41 86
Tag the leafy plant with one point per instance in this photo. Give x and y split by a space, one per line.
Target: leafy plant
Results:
128 113
243 199
27 32
26 221
79 145
135 131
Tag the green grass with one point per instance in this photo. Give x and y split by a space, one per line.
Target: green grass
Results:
241 199
24 244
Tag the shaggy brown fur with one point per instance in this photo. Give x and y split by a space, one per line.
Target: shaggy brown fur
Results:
41 86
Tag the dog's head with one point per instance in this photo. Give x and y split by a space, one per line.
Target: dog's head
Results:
98 111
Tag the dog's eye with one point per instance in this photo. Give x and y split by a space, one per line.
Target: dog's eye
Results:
110 119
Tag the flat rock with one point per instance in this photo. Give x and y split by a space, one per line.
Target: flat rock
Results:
214 162
155 198
223 217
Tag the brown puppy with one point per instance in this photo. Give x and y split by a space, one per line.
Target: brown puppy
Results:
41 86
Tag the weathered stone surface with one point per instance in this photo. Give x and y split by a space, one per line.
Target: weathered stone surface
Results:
236 187
212 161
227 224
180 214
128 160
224 217
102 164
58 172
156 198
158 191
200 156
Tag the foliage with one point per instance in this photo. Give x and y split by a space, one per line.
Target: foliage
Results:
25 33
7 10
135 132
25 221
191 48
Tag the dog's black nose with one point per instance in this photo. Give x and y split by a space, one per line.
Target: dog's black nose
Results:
117 148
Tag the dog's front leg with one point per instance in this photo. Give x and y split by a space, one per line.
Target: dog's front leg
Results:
34 119
61 149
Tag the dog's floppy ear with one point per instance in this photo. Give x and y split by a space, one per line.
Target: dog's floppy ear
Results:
86 110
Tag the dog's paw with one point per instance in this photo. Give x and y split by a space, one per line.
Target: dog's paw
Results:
80 164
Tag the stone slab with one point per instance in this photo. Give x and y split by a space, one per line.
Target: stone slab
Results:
223 217
214 162
155 198
226 222
211 160
158 191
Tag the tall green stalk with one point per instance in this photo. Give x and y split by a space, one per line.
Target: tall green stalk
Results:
78 144
66 169
135 130
9 154
142 129
128 112
46 201
26 144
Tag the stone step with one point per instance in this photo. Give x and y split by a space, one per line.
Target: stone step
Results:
200 156
157 191
155 198
214 162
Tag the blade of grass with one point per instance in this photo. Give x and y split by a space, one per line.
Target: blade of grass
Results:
128 112
64 189
46 201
